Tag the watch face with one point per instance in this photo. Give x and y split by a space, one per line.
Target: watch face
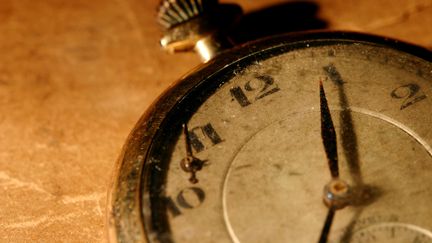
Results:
235 151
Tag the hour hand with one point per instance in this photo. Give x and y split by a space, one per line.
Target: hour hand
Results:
328 134
190 163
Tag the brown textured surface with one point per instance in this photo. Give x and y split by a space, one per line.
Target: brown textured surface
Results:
74 78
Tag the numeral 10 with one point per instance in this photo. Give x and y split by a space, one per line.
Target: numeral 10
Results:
187 198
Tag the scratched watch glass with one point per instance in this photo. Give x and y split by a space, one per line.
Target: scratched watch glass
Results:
253 131
319 137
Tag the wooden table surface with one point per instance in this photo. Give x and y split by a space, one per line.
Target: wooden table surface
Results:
75 76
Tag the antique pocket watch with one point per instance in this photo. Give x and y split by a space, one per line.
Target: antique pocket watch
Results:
308 137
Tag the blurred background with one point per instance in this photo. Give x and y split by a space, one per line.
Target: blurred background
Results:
75 76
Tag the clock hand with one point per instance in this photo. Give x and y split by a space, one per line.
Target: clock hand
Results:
328 135
337 191
362 194
336 196
327 225
347 135
190 163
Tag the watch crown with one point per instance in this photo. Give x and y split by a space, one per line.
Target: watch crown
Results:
175 12
196 25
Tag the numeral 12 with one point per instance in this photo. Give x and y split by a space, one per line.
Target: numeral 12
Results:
259 87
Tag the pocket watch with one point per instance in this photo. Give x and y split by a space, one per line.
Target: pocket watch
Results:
306 137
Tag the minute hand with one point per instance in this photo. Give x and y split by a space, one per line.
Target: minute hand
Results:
328 135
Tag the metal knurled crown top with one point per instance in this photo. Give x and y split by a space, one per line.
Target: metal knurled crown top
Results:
175 12
187 22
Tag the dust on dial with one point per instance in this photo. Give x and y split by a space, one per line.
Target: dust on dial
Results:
255 125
